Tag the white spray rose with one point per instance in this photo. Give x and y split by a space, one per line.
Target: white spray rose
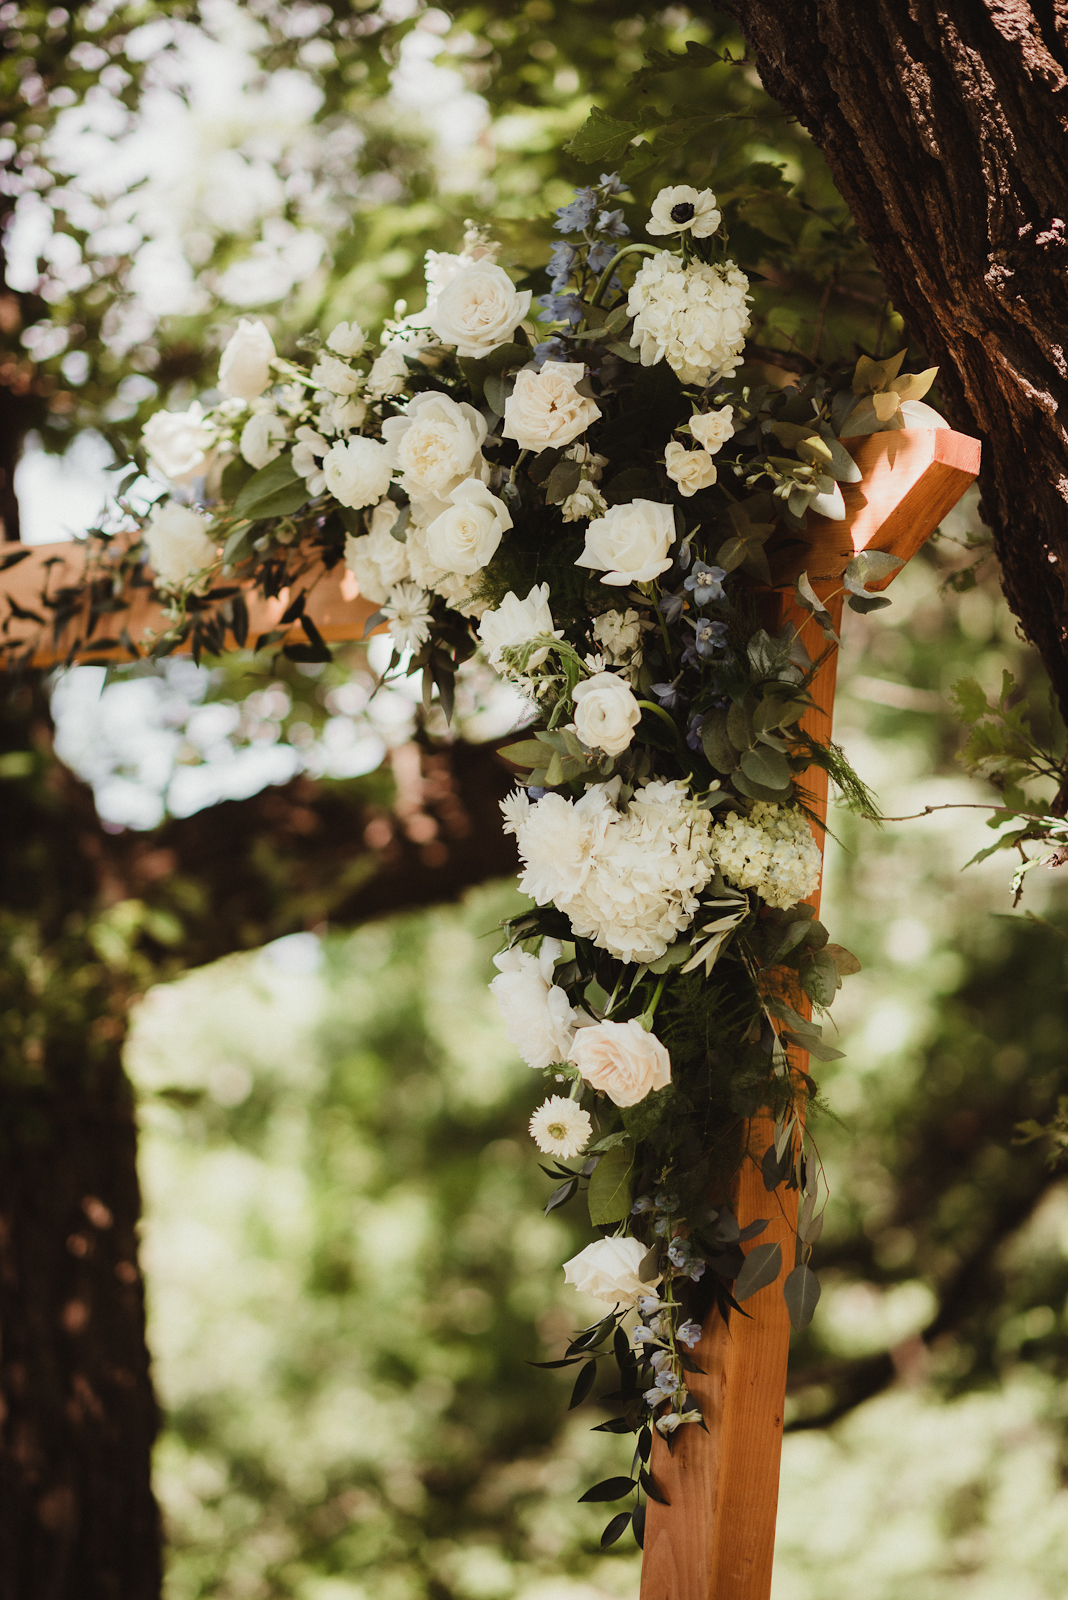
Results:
357 472
619 634
262 439
608 1270
437 444
376 559
538 1017
712 429
347 339
388 374
179 442
622 1059
545 410
690 469
683 209
465 537
337 377
245 366
514 622
630 543
479 309
606 713
179 544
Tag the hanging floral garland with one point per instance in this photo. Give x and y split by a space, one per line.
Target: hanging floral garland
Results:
594 512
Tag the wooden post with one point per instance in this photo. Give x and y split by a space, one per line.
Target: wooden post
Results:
716 1539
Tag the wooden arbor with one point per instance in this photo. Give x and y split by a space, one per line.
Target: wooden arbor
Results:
715 1541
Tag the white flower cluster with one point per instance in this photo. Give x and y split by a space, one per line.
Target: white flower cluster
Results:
772 851
628 880
694 317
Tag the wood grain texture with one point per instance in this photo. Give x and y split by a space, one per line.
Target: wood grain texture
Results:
716 1540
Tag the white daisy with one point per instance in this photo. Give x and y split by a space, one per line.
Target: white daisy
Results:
408 613
560 1127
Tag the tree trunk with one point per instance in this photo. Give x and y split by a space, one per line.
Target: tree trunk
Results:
945 126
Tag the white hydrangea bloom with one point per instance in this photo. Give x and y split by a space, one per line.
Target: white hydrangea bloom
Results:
772 851
693 317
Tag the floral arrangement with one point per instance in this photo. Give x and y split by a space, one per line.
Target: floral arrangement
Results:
593 501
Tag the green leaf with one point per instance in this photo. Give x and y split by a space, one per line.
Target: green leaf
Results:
870 566
819 978
969 700
739 726
620 1522
767 767
801 1291
636 483
608 1489
275 477
716 742
602 138
844 960
283 502
625 352
674 956
564 479
640 1120
583 1384
474 370
610 1186
507 357
762 1266
497 391
527 753
236 474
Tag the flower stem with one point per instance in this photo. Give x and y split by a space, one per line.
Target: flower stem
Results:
627 250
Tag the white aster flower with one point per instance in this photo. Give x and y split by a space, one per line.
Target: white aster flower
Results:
690 469
407 611
262 438
683 209
695 317
347 339
515 809
712 429
537 1015
772 851
560 1127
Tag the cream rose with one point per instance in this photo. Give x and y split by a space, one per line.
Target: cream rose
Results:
262 438
337 377
388 374
514 622
712 429
377 560
245 365
437 444
606 713
479 309
357 472
179 544
608 1270
347 339
545 410
465 537
630 543
622 1059
690 469
179 443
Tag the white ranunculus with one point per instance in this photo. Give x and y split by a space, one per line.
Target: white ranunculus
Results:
342 414
179 544
436 444
308 453
538 1017
347 339
479 309
683 209
376 559
514 622
690 469
622 1059
179 443
606 713
357 472
262 438
245 365
560 1127
545 409
466 536
630 543
337 377
619 634
693 316
388 374
712 429
608 1270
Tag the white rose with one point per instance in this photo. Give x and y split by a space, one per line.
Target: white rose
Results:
388 374
608 1270
606 713
357 472
713 428
335 376
545 409
619 634
245 366
179 544
630 543
465 537
377 560
347 339
479 309
622 1059
262 439
440 268
179 442
538 1017
514 622
437 444
690 469
682 209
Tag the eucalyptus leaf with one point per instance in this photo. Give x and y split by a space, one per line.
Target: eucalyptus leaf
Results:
762 1266
716 742
801 1291
767 767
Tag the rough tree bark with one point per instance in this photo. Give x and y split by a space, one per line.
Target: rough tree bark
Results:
945 126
